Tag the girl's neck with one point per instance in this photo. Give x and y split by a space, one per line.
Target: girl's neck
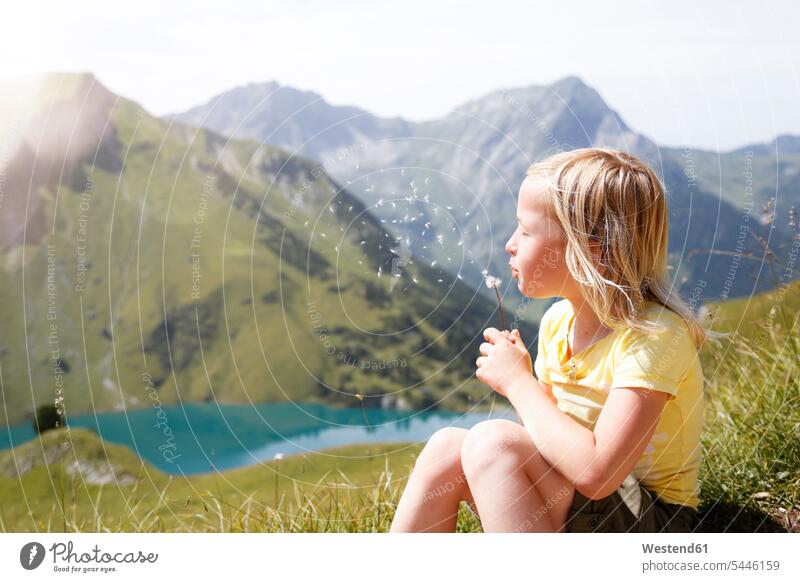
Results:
586 327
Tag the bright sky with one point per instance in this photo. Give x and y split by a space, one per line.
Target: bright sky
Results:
708 74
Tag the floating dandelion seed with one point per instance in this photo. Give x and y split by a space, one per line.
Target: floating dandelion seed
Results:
427 181
433 264
494 283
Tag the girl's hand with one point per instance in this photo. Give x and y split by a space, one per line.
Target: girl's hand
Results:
505 360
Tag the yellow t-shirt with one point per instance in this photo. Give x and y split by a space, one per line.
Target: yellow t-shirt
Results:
666 362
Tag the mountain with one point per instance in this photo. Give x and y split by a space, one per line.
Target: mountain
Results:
469 164
300 121
147 262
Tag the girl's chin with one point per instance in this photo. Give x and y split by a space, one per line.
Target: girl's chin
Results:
521 287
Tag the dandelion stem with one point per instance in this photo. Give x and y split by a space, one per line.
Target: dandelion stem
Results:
500 302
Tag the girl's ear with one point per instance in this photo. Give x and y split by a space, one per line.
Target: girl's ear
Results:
597 252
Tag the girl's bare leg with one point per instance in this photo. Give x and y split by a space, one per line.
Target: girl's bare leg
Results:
514 488
436 486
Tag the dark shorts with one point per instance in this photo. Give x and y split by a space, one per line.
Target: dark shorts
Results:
631 508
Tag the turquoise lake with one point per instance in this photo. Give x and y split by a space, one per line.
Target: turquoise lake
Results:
202 438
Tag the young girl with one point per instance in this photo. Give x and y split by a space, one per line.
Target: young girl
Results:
610 433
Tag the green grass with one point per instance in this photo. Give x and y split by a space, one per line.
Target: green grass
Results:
751 438
349 489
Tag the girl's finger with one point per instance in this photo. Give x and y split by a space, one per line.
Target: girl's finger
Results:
485 348
480 361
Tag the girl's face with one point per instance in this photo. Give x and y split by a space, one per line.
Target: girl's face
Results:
537 247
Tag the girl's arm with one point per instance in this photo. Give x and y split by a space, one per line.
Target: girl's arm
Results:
595 462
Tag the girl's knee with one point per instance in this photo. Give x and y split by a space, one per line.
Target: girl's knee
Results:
443 449
494 441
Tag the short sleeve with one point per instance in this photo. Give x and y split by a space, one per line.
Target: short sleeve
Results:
542 374
540 364
658 361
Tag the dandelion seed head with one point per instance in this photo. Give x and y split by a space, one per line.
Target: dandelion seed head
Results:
492 282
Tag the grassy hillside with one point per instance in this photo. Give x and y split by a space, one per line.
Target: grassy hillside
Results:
346 489
751 439
154 256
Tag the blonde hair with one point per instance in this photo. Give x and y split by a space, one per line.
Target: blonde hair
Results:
610 200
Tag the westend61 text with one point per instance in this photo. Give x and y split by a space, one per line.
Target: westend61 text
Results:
671 549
